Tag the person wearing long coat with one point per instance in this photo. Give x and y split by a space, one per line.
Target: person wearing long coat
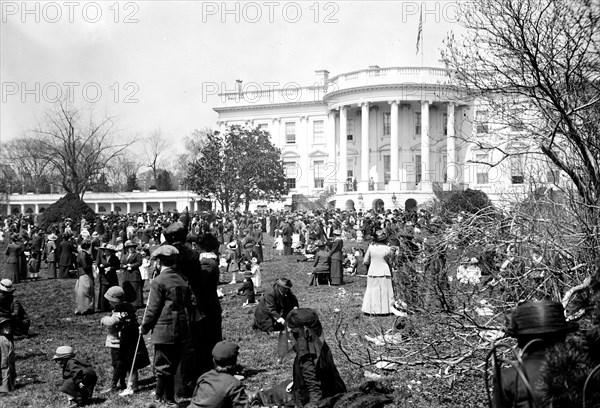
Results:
274 306
108 265
65 256
50 255
321 266
84 287
13 259
336 255
132 277
287 232
257 236
379 295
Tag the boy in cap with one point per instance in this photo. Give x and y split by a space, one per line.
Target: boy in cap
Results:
218 387
247 289
80 378
538 326
122 338
167 315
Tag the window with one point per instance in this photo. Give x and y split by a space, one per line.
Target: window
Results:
417 123
418 169
387 123
291 172
445 123
290 132
516 169
264 126
350 129
318 131
319 174
481 119
482 169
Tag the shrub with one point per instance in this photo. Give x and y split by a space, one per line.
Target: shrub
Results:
469 201
69 206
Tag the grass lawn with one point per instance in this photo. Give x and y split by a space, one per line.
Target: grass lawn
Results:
50 305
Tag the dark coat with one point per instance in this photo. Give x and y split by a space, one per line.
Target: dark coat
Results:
219 390
65 253
247 289
13 253
84 264
322 262
169 306
336 253
286 233
107 269
135 260
272 306
509 395
80 378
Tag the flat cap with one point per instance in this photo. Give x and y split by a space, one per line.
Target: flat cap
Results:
225 353
165 252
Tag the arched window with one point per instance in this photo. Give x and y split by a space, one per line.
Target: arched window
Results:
101 209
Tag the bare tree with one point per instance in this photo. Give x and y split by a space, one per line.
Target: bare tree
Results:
155 150
535 65
29 160
77 145
120 169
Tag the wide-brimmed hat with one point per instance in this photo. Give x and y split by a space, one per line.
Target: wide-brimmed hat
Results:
232 245
304 317
539 318
249 244
63 352
108 247
337 232
257 225
320 243
284 283
209 242
52 237
380 236
6 285
115 294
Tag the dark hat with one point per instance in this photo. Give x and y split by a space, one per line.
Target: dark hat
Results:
538 318
284 282
304 317
176 232
86 244
6 285
165 252
225 353
129 243
115 294
249 244
380 236
209 242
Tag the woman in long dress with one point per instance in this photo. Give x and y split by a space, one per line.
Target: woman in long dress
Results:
13 259
132 278
84 287
50 255
379 296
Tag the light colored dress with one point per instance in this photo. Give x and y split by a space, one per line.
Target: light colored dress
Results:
256 279
379 295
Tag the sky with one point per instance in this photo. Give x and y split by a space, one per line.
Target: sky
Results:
154 65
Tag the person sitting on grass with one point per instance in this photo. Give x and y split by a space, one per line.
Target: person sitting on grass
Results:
247 289
79 377
8 374
274 306
122 340
218 387
11 308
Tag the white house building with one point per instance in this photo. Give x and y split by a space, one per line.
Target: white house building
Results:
381 136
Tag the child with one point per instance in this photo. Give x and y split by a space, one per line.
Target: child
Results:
247 289
32 270
278 244
8 373
218 387
145 267
231 256
122 339
255 269
80 378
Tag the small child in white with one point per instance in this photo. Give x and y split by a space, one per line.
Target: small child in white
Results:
278 244
255 269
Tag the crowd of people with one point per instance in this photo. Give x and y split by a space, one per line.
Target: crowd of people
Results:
182 257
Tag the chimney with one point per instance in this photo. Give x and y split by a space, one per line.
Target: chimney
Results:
239 85
322 76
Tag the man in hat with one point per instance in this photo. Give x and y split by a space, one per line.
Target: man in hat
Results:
66 254
218 387
167 315
274 306
538 327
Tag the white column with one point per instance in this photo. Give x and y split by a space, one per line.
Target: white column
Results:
363 185
96 205
343 167
144 206
452 169
274 131
112 206
222 126
304 185
22 208
36 209
161 206
331 166
195 205
128 207
394 184
425 163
